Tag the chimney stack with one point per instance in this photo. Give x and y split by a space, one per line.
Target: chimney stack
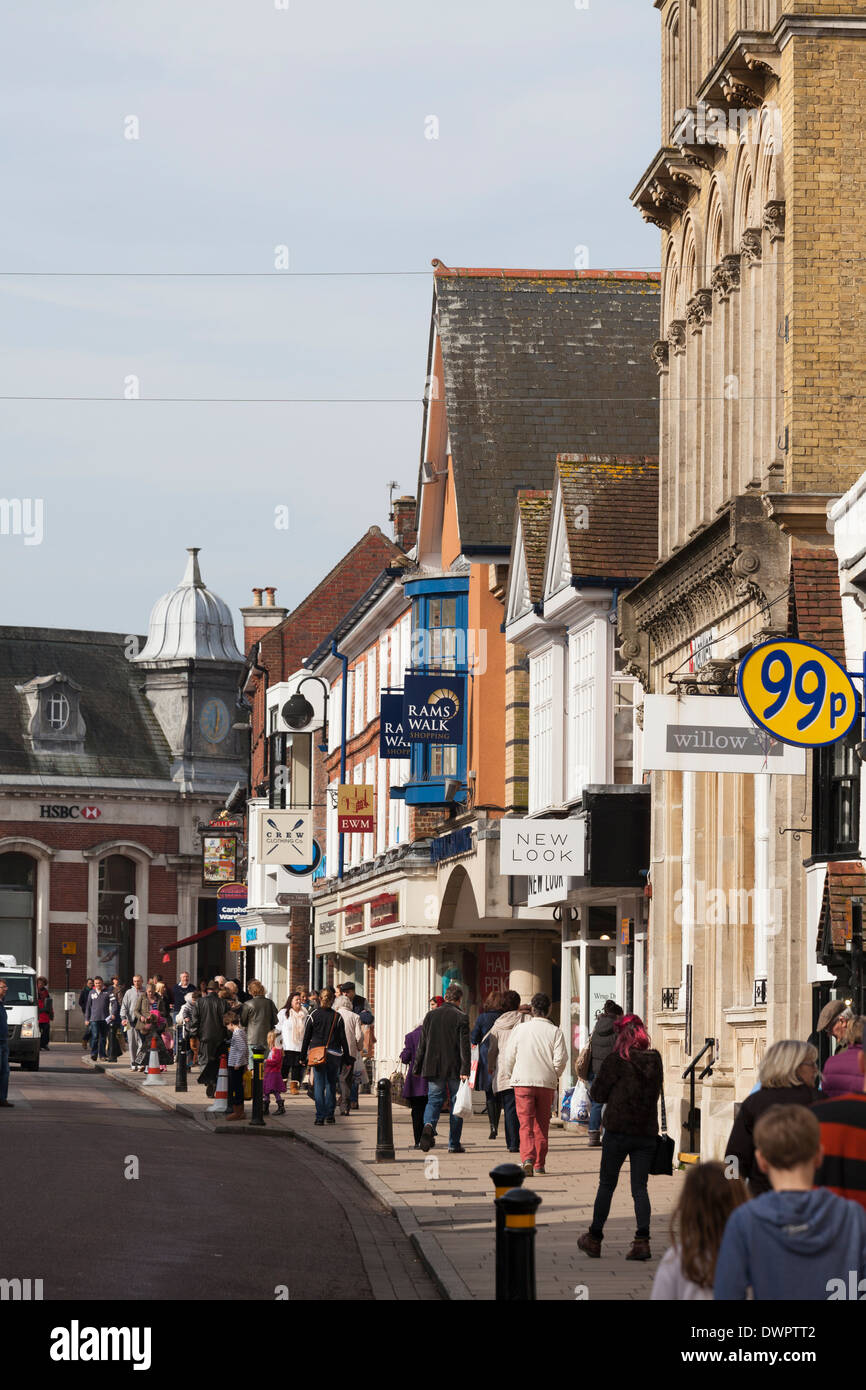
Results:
261 616
403 517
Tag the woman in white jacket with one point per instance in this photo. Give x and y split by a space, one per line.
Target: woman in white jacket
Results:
535 1055
291 1022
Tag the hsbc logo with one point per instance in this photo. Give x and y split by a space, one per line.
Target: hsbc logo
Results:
69 812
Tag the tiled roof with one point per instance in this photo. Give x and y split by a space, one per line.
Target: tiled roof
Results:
816 600
536 362
533 507
123 737
611 513
844 881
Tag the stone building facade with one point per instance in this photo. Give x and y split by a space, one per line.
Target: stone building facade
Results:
761 363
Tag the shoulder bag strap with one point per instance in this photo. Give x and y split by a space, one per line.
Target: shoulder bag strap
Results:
664 1112
333 1026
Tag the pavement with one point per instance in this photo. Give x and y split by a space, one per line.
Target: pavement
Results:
444 1202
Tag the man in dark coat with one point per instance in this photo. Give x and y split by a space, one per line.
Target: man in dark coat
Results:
207 1025
443 1057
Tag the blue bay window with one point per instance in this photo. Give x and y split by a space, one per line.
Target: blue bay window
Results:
440 616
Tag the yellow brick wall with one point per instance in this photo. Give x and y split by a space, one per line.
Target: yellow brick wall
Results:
516 728
824 131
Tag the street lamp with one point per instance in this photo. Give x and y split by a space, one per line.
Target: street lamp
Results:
297 711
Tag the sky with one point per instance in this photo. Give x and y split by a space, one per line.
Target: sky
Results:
210 143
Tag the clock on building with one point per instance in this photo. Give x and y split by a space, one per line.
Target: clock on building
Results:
214 721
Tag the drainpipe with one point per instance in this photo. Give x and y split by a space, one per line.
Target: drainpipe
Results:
344 704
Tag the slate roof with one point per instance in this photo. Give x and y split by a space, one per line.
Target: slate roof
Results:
816 602
536 362
534 507
620 494
123 738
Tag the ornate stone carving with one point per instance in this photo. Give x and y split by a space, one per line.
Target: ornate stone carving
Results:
739 93
660 351
719 676
726 277
751 245
774 218
638 715
677 336
699 310
662 197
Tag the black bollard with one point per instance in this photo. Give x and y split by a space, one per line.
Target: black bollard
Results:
519 1207
384 1122
504 1178
180 1054
258 1117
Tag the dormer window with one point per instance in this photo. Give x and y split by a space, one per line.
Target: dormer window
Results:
58 712
54 722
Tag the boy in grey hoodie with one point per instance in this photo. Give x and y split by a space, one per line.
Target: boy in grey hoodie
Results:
796 1242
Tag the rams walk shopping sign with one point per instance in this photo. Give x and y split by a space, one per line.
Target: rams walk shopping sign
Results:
711 733
548 847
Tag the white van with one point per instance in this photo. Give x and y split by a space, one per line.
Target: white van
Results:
22 1012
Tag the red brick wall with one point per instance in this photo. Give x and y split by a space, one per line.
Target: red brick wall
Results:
284 648
56 959
68 887
163 891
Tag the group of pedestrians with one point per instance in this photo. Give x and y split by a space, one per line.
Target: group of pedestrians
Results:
518 1069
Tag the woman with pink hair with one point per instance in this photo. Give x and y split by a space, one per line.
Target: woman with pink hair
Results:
628 1085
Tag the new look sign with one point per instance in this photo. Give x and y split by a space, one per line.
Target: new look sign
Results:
542 847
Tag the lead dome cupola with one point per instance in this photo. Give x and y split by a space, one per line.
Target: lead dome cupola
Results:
191 623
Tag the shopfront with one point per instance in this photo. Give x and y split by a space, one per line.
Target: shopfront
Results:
603 957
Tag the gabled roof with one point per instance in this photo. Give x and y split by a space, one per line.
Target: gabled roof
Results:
528 551
610 511
533 507
536 362
123 737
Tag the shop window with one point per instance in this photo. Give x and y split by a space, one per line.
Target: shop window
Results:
540 730
17 907
836 798
117 910
581 709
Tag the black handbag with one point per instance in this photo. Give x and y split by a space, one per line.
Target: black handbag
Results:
662 1165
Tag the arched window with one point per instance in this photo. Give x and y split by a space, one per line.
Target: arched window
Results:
117 911
58 712
673 70
17 907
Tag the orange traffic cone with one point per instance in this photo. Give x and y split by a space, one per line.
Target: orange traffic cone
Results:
221 1096
154 1075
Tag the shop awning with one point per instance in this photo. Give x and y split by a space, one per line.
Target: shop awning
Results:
188 940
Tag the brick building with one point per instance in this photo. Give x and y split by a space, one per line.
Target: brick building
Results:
522 365
276 937
756 188
113 750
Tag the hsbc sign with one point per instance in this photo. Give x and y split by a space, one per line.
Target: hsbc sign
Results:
63 812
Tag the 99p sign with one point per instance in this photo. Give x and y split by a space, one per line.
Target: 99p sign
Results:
798 693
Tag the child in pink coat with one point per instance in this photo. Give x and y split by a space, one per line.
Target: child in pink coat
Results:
274 1085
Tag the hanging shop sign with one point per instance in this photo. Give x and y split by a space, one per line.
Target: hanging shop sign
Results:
392 740
710 733
355 814
235 941
219 858
798 693
231 903
434 708
529 846
544 889
286 837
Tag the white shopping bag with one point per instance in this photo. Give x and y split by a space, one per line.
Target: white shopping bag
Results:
579 1103
461 1106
